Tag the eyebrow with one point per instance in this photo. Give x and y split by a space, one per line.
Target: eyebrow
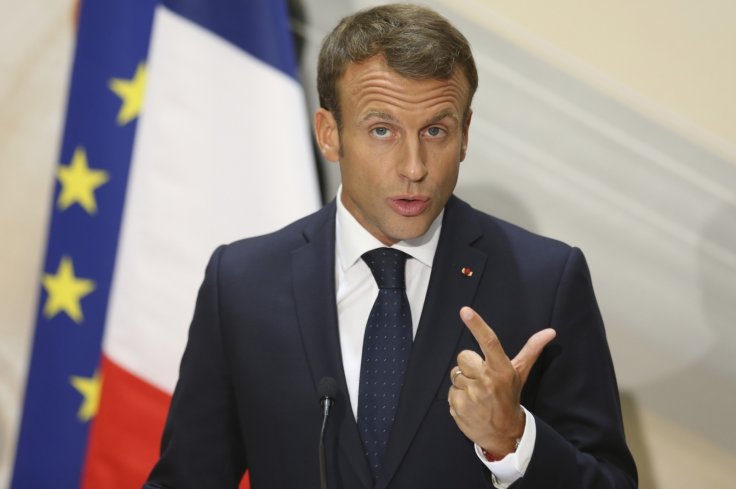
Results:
442 115
388 117
377 114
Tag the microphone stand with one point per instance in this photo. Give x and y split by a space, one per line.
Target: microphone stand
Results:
322 470
327 391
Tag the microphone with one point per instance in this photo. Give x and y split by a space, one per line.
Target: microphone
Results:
327 391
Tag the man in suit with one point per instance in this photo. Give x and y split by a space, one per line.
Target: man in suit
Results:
530 402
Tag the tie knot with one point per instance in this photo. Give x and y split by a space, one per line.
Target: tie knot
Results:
387 266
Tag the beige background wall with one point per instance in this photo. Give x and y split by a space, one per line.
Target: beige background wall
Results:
35 55
609 124
670 58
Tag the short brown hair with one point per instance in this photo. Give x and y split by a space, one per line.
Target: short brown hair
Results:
417 43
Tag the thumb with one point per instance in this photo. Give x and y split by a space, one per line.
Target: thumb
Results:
524 361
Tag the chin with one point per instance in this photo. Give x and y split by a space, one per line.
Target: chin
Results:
406 234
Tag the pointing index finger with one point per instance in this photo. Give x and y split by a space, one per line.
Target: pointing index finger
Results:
493 352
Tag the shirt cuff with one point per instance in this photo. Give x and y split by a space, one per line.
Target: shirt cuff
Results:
513 466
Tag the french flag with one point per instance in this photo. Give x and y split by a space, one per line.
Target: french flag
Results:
186 128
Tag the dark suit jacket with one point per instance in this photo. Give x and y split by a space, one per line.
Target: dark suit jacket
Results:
265 332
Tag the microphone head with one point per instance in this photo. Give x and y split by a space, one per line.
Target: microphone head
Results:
327 388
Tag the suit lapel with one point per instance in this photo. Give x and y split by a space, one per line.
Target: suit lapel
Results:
440 327
313 266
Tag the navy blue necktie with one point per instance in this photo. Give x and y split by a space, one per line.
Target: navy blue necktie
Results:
386 348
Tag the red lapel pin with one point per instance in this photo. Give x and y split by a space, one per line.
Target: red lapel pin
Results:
466 271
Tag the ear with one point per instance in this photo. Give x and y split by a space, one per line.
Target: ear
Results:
466 128
327 134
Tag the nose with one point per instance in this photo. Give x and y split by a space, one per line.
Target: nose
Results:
412 166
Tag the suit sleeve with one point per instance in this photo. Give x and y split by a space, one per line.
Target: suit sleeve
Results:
580 438
201 445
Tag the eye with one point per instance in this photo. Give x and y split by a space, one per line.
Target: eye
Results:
381 132
435 132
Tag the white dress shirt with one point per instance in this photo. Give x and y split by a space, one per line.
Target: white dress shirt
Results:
357 291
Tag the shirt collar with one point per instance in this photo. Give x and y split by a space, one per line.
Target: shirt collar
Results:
352 239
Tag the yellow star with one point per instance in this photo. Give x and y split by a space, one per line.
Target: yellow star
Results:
79 182
131 92
65 291
90 388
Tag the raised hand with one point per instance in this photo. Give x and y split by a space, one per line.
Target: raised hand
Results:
485 394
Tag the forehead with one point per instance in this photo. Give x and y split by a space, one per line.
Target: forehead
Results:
372 83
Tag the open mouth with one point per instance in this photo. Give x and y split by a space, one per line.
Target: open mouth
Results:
409 206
